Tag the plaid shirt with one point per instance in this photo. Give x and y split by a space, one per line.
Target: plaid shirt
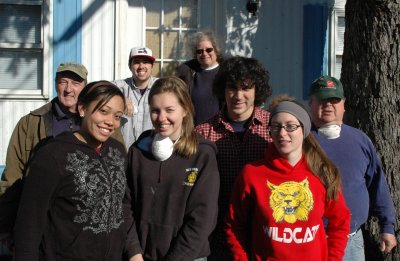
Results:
233 153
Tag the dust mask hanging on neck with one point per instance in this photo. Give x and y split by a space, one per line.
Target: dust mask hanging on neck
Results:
162 147
330 131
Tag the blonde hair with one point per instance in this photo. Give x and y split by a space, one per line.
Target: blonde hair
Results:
317 161
186 146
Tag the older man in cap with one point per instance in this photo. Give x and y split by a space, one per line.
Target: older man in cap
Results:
33 130
136 90
364 186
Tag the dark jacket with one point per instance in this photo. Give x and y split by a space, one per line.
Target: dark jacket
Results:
187 72
72 206
31 132
200 86
174 201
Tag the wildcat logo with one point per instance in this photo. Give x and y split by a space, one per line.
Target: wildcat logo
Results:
191 176
287 235
291 201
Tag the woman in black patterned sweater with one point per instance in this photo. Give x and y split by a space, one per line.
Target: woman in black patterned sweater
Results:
73 204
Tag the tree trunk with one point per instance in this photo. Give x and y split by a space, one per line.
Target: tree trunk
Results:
371 78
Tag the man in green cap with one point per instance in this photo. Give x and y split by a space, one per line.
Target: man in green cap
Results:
32 131
364 185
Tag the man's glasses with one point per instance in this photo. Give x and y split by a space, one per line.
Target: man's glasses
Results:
287 127
208 50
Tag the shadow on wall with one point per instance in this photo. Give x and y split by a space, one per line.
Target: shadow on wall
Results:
242 30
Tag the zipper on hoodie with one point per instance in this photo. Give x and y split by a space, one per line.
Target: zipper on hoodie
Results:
160 172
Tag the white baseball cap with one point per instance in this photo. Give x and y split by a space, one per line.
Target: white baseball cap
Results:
141 52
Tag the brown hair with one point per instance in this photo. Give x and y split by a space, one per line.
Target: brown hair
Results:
317 161
187 143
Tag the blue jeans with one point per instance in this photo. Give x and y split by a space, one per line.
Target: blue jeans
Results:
355 248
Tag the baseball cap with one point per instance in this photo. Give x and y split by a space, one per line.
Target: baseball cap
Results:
326 87
76 68
141 52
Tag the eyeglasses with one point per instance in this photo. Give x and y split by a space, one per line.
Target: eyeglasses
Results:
208 50
287 127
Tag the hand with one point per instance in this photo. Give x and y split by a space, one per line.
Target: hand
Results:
129 111
387 242
137 257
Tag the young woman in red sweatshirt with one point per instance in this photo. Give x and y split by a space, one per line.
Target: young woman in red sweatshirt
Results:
278 204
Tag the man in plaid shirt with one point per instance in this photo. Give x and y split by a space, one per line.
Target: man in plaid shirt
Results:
240 131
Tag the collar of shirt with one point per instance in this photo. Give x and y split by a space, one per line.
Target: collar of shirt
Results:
256 118
59 113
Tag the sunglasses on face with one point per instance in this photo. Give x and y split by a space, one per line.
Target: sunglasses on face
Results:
208 50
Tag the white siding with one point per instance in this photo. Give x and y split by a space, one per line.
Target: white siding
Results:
10 113
108 35
98 39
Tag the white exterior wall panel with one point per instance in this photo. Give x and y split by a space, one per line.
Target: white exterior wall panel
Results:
10 113
98 40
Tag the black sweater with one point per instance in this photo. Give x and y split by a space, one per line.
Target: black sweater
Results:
72 203
174 201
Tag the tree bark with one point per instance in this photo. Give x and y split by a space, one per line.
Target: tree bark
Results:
371 79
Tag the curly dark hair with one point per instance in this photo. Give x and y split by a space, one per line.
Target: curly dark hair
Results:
236 70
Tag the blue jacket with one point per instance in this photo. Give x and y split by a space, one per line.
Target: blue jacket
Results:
364 185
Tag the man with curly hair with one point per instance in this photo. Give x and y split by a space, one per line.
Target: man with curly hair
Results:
240 130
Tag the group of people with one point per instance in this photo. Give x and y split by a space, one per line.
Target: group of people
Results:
190 168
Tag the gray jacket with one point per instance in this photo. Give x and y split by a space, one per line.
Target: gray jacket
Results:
132 127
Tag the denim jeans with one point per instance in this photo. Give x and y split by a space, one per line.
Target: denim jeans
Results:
355 248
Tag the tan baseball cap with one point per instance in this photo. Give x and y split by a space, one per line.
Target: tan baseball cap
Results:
76 68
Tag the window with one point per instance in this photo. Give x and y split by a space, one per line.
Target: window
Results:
22 49
337 27
169 25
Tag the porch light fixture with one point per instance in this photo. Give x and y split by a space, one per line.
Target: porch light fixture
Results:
252 6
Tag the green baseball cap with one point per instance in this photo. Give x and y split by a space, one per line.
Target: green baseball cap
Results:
76 68
326 87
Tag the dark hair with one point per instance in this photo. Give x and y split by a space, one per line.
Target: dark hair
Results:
139 57
187 143
237 70
205 36
102 91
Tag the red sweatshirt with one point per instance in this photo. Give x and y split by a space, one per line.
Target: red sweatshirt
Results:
276 213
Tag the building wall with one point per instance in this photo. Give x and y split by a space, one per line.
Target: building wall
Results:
10 113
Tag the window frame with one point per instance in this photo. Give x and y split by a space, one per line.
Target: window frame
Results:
163 30
333 36
44 47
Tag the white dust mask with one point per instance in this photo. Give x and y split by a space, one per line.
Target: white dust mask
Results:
330 131
162 147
